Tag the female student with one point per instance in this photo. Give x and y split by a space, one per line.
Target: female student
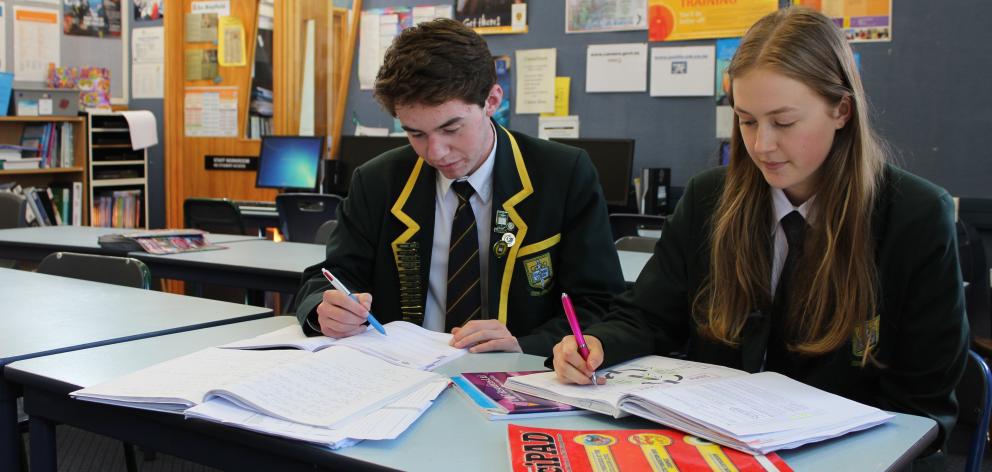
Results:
808 255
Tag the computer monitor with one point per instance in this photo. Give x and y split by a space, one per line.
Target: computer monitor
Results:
290 162
614 162
355 151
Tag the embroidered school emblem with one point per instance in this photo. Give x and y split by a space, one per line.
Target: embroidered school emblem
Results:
539 273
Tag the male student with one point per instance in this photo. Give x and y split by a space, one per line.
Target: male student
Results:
471 229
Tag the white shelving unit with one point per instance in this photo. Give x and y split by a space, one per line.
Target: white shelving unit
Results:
118 187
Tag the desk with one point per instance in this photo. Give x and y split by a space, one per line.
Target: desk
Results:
44 315
258 264
451 436
631 263
33 244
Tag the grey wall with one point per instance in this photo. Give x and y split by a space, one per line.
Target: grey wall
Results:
927 86
156 154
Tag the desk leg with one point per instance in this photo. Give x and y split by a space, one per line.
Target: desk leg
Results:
10 438
43 455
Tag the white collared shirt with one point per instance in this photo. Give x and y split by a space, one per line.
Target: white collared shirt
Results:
781 206
446 202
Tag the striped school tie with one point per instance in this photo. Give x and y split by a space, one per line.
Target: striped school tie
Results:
464 301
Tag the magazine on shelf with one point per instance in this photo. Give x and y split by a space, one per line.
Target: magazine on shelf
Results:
754 413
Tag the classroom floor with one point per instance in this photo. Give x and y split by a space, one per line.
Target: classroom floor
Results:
82 451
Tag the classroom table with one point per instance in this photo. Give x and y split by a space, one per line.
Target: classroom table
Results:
44 314
453 435
34 243
631 263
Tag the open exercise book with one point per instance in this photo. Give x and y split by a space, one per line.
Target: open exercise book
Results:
406 344
754 413
335 397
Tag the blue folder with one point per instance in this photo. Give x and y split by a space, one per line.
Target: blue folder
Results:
6 87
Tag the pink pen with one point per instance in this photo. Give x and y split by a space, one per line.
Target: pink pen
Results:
573 322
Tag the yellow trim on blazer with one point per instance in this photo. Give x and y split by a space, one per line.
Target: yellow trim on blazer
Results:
397 210
504 288
539 246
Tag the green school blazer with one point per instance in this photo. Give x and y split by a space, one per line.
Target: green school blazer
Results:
545 193
921 330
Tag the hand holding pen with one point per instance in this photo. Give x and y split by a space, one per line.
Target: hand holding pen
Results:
344 290
581 346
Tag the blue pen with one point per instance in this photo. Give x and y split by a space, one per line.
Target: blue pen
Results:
341 288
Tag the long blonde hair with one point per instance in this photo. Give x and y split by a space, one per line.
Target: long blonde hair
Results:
836 285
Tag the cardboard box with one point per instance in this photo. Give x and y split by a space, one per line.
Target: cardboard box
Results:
42 102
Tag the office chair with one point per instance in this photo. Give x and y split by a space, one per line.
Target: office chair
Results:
636 244
301 214
975 402
323 234
978 213
975 271
213 215
630 224
13 208
125 271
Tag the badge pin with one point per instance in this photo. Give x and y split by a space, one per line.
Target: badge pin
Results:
500 249
509 239
502 221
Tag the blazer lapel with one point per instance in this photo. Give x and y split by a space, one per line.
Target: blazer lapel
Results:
414 208
511 185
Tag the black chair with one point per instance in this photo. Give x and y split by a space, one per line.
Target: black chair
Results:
213 215
323 234
975 272
13 208
636 244
301 214
631 224
971 434
125 271
978 213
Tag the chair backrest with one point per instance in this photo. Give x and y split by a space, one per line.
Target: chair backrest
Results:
978 212
975 400
630 224
324 232
301 214
12 210
975 271
636 243
125 271
213 215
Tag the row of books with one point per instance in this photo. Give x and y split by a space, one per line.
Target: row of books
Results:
59 204
117 209
43 145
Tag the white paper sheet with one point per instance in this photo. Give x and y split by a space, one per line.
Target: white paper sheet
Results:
368 50
724 122
617 67
211 112
3 36
558 127
220 7
535 80
148 80
682 71
36 42
362 130
148 45
144 133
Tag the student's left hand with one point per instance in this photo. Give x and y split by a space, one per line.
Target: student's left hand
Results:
484 336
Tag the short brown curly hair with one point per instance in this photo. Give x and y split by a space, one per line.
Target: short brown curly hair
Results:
434 62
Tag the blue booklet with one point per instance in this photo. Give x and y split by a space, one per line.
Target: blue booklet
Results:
6 88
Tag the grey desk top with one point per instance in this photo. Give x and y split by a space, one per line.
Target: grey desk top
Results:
632 262
44 314
80 238
453 421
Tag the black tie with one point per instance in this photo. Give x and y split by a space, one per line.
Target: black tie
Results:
778 358
464 292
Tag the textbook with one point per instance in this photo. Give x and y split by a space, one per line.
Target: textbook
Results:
754 413
159 241
406 344
336 389
487 391
621 450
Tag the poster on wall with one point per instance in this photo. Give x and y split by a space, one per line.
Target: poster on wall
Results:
148 10
377 29
502 115
492 16
36 42
597 16
99 18
211 112
3 37
677 20
863 21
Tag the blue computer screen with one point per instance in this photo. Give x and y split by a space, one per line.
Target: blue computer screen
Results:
290 162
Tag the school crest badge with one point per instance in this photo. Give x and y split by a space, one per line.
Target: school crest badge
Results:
865 338
539 274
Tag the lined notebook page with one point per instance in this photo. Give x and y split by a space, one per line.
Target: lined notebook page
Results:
182 382
325 389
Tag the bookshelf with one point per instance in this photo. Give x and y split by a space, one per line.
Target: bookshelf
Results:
11 130
118 186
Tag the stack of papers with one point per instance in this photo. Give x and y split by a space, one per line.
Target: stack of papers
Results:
335 397
753 413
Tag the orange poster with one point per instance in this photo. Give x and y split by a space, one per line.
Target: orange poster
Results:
861 20
675 20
